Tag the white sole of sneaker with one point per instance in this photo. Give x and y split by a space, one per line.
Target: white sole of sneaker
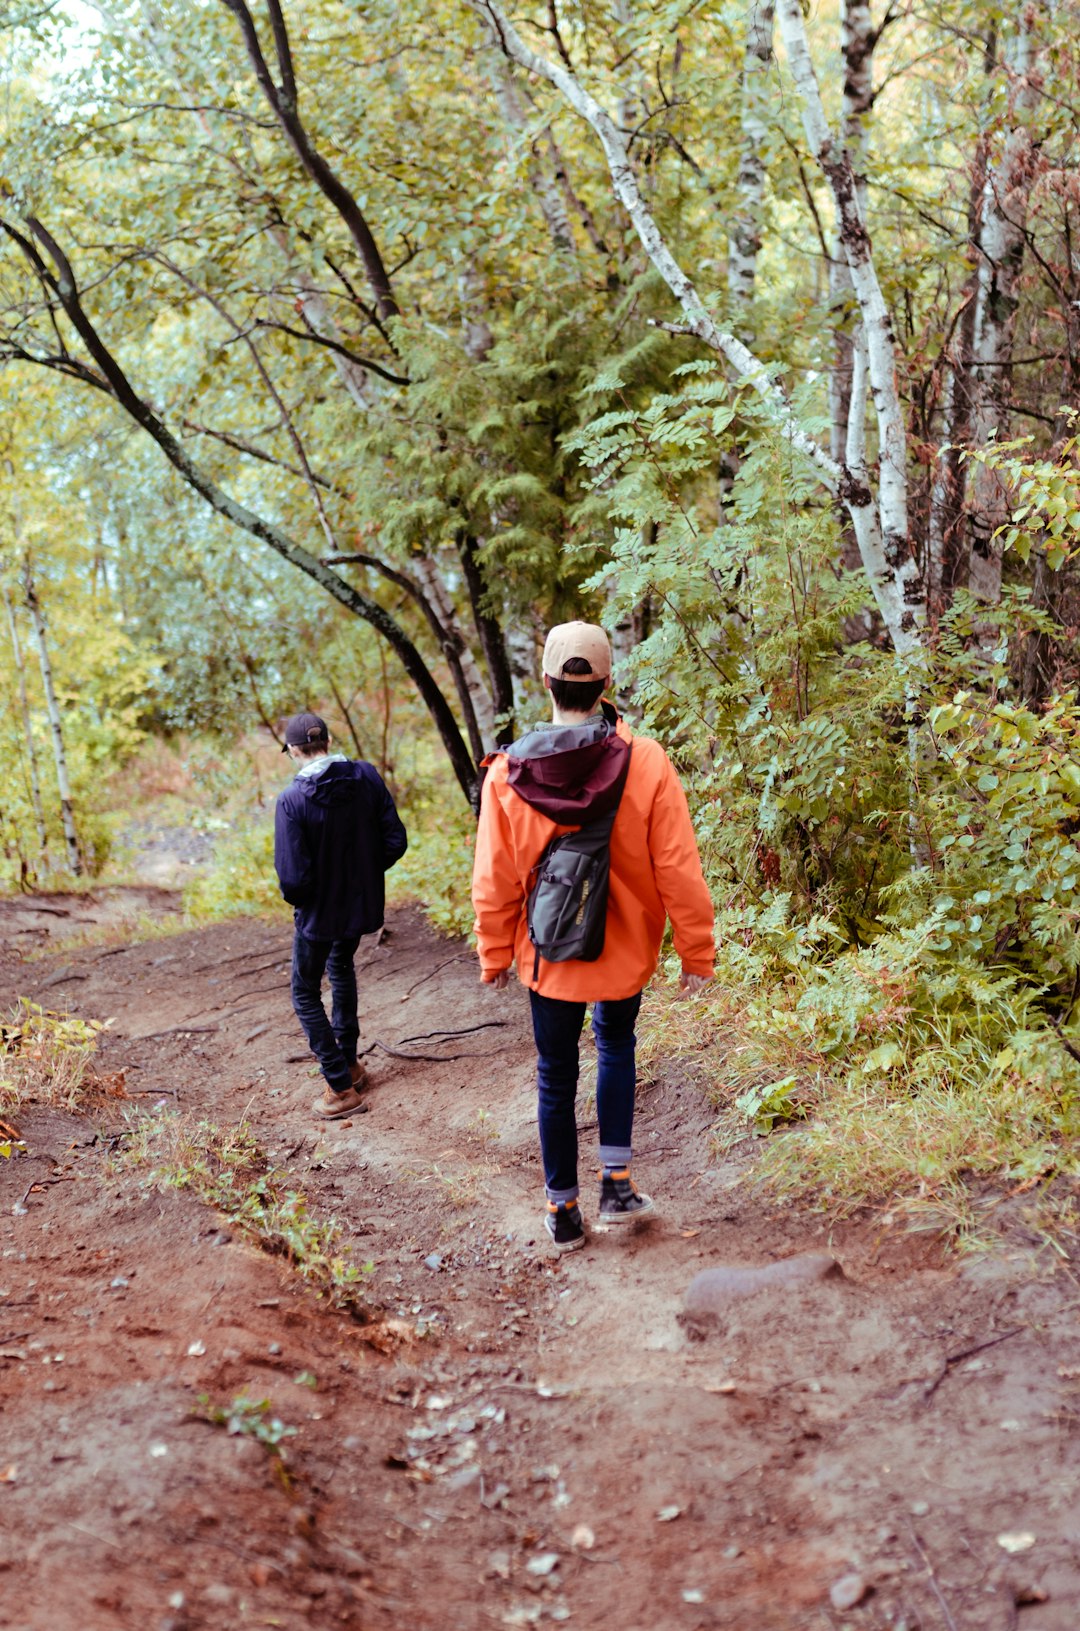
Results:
618 1220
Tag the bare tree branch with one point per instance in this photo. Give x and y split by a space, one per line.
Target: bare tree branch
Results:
283 104
60 279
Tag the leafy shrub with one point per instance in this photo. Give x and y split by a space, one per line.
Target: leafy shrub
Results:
436 869
47 1057
894 849
240 879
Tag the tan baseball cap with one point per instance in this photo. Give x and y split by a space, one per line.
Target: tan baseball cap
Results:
586 640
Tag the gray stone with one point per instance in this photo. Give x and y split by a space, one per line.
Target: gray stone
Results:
711 1293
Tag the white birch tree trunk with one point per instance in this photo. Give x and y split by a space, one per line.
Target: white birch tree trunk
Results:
28 728
1001 262
544 185
904 587
744 242
857 41
67 808
892 573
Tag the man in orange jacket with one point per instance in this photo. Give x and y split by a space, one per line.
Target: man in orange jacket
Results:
553 781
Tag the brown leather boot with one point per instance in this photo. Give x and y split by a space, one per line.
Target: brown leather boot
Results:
360 1078
332 1105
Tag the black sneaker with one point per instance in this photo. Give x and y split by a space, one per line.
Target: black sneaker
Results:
620 1202
564 1225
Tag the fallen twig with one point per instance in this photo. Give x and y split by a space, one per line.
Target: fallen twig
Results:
966 1353
63 978
429 1036
932 1577
378 946
423 1058
175 1030
102 1540
260 968
38 1183
237 957
430 975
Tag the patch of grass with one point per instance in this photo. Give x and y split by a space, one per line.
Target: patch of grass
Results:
45 1058
225 1167
920 1123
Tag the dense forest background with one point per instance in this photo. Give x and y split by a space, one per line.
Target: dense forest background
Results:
344 347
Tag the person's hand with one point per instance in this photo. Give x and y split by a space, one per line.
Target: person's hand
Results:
693 982
499 980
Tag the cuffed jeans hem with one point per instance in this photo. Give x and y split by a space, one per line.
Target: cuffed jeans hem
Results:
562 1197
616 1155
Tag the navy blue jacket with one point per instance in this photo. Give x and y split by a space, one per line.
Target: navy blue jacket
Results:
334 836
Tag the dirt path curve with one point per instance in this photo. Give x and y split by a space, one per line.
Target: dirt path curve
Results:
549 1445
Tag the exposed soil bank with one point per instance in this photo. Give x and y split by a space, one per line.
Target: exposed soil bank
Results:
891 1424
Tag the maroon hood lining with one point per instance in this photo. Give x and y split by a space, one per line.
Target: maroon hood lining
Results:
573 787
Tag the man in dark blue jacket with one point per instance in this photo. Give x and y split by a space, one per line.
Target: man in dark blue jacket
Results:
336 832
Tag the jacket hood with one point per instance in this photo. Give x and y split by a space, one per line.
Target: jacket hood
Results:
334 784
570 773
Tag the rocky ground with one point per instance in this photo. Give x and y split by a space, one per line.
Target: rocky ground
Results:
506 1438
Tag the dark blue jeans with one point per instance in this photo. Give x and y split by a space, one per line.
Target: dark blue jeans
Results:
557 1030
333 1041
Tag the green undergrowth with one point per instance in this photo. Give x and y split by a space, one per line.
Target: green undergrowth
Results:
435 872
239 880
871 1080
47 1058
225 1167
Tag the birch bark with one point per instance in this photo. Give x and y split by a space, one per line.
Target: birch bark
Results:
892 573
552 205
28 727
1001 262
903 587
857 42
63 782
744 242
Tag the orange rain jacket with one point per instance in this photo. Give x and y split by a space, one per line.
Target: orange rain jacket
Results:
655 874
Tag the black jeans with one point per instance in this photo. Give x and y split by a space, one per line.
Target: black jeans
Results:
333 1041
557 1029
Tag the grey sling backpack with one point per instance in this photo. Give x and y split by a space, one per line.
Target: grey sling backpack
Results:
568 896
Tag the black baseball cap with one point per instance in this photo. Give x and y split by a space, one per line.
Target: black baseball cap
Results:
305 731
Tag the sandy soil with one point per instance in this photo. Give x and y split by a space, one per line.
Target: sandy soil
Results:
546 1443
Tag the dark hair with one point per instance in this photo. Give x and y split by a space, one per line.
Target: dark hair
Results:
576 696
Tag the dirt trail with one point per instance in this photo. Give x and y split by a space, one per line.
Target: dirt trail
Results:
891 1425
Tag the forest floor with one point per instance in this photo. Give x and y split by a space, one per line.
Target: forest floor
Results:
511 1439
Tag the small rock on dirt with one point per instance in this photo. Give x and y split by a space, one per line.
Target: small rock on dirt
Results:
848 1591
